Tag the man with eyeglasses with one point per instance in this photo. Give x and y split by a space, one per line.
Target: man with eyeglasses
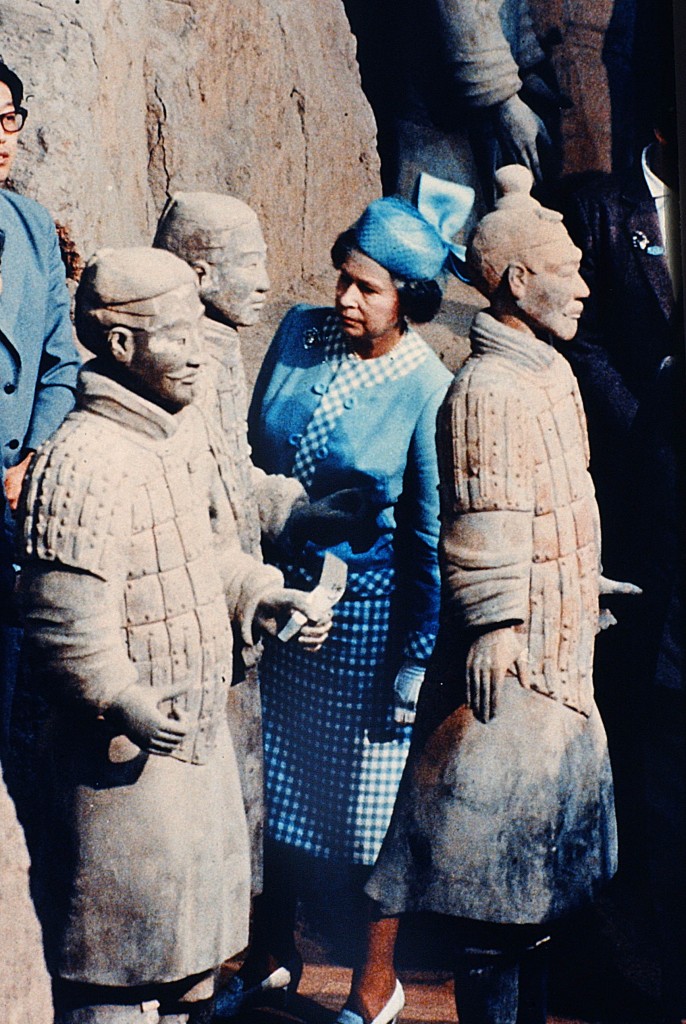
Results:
38 358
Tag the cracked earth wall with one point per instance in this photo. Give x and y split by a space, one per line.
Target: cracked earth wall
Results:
24 984
133 99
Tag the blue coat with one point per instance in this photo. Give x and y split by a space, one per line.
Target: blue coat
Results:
385 438
38 357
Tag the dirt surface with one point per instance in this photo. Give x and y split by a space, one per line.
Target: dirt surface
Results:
602 968
429 999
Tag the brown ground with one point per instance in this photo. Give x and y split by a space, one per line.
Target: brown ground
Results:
428 1000
602 968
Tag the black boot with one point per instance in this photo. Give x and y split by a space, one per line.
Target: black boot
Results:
486 987
533 984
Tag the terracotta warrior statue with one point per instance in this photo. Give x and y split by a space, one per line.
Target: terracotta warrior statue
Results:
220 237
505 818
132 569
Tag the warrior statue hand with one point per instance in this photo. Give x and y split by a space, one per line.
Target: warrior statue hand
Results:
489 658
520 133
277 606
137 710
607 586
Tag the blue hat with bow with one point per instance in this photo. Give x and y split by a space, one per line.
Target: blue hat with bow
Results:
416 242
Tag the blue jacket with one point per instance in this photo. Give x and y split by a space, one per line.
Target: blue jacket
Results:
38 357
385 438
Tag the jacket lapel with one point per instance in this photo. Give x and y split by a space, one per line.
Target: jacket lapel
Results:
643 228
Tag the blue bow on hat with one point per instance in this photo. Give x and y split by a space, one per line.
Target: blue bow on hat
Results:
416 242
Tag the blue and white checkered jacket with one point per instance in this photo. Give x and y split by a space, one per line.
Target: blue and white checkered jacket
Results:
336 422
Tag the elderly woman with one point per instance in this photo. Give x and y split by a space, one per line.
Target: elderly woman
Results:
347 399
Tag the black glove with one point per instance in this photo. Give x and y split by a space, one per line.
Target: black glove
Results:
346 515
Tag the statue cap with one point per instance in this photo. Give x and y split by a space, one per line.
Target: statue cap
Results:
514 232
122 287
201 220
123 277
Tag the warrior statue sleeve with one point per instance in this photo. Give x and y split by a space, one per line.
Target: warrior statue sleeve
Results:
484 70
276 497
486 506
73 634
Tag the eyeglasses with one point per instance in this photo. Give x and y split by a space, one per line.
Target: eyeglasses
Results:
13 121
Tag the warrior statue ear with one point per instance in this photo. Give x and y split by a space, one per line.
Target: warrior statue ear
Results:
122 345
203 272
517 274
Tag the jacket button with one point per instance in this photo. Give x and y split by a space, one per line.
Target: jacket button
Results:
13 444
295 440
322 452
349 403
10 388
320 389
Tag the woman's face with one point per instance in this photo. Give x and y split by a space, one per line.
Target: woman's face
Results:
367 303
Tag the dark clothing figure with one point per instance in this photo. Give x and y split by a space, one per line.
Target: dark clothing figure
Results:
633 394
626 330
659 553
624 333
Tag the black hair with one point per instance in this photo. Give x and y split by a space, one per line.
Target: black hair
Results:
13 83
345 244
419 301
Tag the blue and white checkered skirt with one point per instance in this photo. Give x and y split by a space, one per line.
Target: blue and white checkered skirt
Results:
333 756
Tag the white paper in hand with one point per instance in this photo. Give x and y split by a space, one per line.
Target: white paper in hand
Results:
325 595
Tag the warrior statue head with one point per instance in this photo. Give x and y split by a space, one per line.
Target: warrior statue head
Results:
138 311
220 237
521 257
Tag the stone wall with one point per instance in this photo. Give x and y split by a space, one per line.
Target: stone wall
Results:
133 99
24 983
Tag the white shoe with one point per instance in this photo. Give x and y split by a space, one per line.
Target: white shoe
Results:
388 1014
